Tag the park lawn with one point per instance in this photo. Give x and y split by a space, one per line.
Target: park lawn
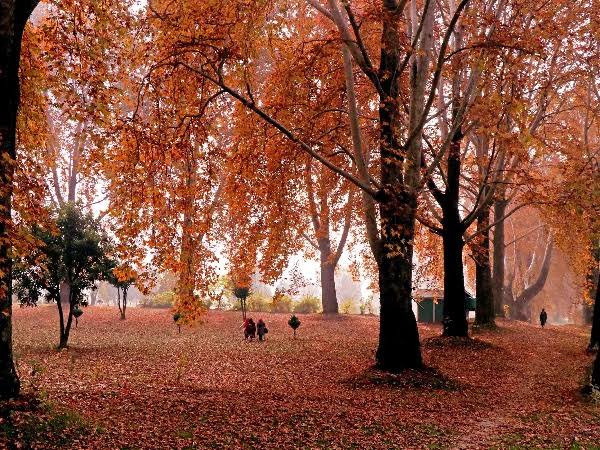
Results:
138 384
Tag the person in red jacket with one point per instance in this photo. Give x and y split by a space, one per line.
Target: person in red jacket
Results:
250 330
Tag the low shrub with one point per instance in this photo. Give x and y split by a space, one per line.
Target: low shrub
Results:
159 300
309 304
258 303
349 306
281 303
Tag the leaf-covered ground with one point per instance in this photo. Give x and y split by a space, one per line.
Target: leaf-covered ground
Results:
139 384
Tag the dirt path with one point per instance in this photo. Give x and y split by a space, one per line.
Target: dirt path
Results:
533 396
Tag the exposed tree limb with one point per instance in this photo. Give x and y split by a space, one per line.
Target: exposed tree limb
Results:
283 129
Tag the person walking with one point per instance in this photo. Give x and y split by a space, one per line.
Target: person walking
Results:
250 331
245 328
261 329
543 317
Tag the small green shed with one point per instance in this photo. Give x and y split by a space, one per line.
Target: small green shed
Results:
430 304
470 302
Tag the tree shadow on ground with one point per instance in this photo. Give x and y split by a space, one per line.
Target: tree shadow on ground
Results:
427 378
443 342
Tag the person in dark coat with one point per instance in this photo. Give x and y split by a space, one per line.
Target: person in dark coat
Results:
261 329
250 331
245 328
543 317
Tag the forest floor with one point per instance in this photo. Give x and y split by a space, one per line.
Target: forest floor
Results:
139 384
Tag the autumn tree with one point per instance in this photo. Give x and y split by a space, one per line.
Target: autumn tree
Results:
457 118
73 251
122 277
573 209
164 183
324 208
409 71
535 89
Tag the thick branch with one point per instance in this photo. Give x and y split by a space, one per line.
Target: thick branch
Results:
345 231
496 222
531 291
284 130
359 156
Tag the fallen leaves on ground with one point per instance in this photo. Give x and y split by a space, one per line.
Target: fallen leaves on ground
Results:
139 384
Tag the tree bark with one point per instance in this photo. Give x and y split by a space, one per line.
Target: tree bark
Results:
65 292
185 284
399 346
596 371
455 320
94 296
328 261
361 157
328 291
499 257
61 323
13 16
595 334
119 301
65 328
484 308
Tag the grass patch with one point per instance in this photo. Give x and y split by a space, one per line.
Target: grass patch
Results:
28 422
184 434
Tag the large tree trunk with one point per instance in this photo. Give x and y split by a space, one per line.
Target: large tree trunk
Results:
484 308
328 291
399 346
185 283
61 323
521 307
328 260
499 257
13 16
596 371
64 337
595 334
455 320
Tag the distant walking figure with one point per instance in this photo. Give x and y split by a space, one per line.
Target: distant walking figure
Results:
245 327
543 317
261 329
249 329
